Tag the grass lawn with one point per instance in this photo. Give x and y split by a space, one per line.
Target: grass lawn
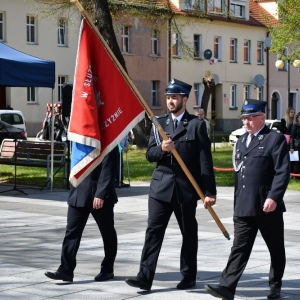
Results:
139 170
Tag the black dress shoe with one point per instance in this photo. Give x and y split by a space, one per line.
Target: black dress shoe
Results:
186 284
59 276
102 276
219 292
274 293
138 283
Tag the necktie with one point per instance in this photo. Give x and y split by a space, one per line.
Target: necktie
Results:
175 123
252 136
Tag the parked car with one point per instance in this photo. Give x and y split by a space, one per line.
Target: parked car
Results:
8 131
14 118
272 124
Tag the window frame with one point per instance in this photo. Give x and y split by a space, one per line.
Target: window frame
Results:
154 93
232 96
212 4
246 92
176 45
155 42
61 29
198 92
198 46
247 51
218 45
2 26
60 85
31 30
260 53
233 50
125 36
234 11
31 95
260 93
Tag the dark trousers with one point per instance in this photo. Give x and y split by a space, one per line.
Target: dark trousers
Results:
76 221
158 217
271 228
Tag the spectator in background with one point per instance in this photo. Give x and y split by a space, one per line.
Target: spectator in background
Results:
58 122
200 113
123 147
47 123
287 121
294 144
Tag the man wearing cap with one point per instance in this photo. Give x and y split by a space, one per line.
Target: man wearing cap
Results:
171 191
262 172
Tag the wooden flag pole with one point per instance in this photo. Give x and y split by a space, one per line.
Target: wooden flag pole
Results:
151 116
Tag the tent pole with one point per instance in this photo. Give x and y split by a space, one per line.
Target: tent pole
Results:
52 142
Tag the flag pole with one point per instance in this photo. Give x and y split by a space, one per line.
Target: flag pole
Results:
151 115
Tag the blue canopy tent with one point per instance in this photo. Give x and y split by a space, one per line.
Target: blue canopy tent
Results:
18 69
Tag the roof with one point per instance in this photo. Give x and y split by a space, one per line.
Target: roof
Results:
258 16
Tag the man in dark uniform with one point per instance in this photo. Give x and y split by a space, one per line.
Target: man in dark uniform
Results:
262 166
171 191
96 195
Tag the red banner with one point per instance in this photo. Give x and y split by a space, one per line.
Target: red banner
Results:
104 107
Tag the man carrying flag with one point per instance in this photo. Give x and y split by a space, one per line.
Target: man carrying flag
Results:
98 123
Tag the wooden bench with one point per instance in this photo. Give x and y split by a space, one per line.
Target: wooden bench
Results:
34 154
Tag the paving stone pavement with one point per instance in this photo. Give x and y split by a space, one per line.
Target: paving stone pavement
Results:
32 228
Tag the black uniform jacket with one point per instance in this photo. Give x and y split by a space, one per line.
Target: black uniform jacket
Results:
194 147
100 183
262 171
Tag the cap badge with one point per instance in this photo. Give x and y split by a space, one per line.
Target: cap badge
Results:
172 81
246 102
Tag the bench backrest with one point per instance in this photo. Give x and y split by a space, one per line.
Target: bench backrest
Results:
32 150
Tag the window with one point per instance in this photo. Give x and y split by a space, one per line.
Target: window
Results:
217 47
195 4
197 45
1 26
61 33
198 94
247 48
260 93
237 10
176 45
233 96
31 30
260 53
216 6
233 50
60 85
246 92
154 93
31 95
154 42
125 39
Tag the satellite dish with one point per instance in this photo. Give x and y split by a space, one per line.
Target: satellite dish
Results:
207 54
259 80
268 42
216 79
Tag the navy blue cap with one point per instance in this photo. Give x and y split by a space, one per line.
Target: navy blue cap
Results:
178 87
252 106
